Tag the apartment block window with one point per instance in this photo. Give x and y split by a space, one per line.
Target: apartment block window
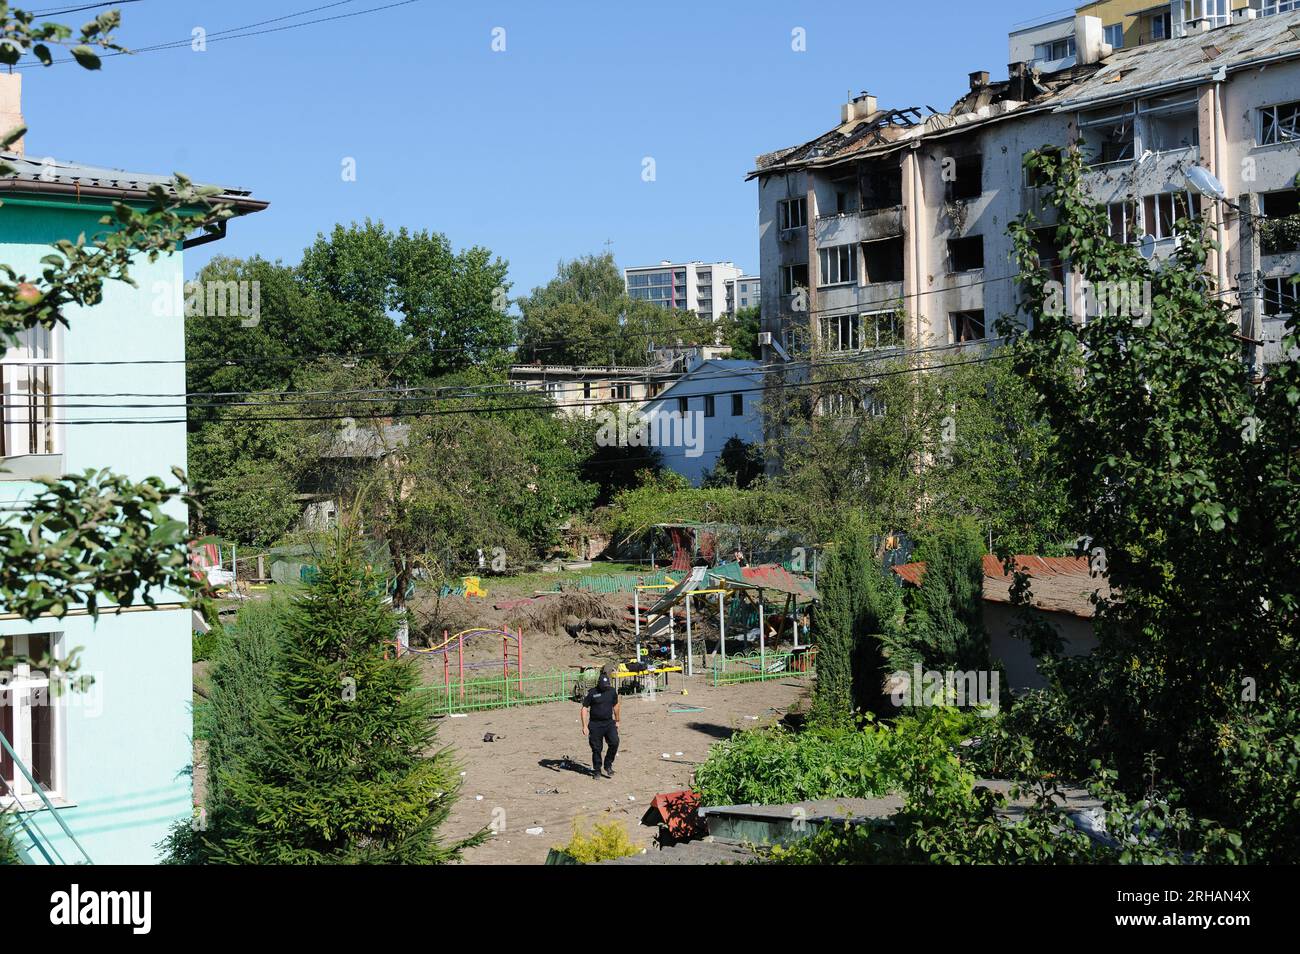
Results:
966 254
737 405
683 405
1160 26
792 213
1115 35
30 717
1274 7
1279 231
1280 123
1170 122
966 326
882 261
967 178
1163 210
839 405
882 329
709 408
1281 297
620 392
839 265
1054 49
1123 226
27 374
1108 135
792 277
882 186
843 333
1213 12
586 390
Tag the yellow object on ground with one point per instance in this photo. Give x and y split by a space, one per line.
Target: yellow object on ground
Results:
472 587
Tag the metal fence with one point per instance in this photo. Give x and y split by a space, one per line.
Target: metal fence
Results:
500 691
753 667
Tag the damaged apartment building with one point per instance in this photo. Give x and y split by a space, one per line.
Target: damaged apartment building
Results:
890 230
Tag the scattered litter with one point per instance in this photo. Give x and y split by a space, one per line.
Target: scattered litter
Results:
681 753
490 737
665 755
462 774
688 709
631 798
458 715
547 791
478 798
534 831
755 718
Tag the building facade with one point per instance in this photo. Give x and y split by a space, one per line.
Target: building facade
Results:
890 230
744 292
112 758
686 286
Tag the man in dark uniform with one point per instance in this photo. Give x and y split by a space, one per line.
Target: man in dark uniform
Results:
600 717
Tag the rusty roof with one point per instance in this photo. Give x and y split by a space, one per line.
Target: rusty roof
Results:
1057 584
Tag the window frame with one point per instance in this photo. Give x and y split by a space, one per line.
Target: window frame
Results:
844 255
737 405
710 406
16 696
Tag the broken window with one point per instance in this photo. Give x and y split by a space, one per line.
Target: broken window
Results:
843 333
965 177
792 277
1280 297
1280 123
882 186
839 265
792 213
1170 123
1108 135
1163 210
1123 225
883 260
1049 253
966 254
1279 229
882 329
844 195
966 326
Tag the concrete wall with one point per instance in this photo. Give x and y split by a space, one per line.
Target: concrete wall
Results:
1001 619
127 740
721 379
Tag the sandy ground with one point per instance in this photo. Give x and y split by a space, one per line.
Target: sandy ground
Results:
521 778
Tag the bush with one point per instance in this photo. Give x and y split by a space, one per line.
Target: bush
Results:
605 843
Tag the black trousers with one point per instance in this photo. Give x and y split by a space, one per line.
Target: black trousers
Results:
600 731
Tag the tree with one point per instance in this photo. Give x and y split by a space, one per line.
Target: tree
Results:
945 614
1181 476
584 316
339 772
739 464
740 331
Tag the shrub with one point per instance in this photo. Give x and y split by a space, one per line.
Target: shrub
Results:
605 842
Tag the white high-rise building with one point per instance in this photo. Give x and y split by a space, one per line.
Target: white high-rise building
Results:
700 287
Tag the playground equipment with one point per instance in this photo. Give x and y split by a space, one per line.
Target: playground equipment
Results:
508 639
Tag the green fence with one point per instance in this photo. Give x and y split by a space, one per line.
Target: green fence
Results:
500 691
751 667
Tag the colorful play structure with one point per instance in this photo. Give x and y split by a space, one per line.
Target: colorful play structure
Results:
508 639
746 587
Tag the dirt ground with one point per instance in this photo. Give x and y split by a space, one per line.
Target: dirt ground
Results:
525 772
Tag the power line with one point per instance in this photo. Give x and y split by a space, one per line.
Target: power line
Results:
548 407
50 12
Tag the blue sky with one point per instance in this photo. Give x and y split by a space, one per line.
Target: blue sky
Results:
535 152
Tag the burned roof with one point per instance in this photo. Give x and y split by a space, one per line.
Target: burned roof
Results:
53 176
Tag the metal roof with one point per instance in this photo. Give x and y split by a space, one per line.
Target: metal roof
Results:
1057 584
53 176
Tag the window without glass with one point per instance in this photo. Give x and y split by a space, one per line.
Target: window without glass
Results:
1280 297
709 409
843 333
792 277
966 326
1161 211
792 213
882 186
1123 226
1108 135
839 265
1279 232
737 405
1280 123
683 405
882 329
1170 122
967 180
966 254
882 261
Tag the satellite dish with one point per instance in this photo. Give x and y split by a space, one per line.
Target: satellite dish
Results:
1147 247
1204 181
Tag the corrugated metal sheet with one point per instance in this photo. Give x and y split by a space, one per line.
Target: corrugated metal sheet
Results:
1057 584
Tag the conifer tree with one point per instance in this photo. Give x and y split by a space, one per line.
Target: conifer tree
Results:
341 771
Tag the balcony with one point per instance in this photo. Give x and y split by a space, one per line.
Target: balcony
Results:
866 225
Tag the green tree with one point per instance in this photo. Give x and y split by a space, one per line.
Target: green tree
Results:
739 464
945 615
740 331
340 770
1180 474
